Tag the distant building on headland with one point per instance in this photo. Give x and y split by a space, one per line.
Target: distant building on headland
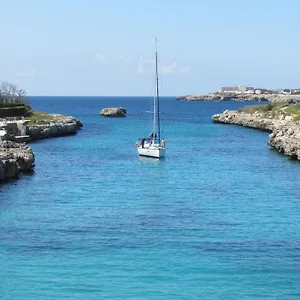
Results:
236 89
244 89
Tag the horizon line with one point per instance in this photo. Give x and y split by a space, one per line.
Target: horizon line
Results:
96 96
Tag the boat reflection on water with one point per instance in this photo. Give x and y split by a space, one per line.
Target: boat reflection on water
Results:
151 160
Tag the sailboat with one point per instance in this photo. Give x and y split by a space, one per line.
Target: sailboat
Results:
153 146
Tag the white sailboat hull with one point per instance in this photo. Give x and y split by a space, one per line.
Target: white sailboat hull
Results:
152 151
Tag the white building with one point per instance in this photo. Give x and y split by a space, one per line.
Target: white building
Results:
236 89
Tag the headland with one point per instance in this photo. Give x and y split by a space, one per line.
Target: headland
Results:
19 124
247 93
281 119
16 156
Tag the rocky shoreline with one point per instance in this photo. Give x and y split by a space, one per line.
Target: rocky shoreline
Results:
243 97
285 132
16 158
64 125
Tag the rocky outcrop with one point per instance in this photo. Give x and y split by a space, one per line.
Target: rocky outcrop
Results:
286 140
63 125
242 97
113 112
285 132
262 121
15 158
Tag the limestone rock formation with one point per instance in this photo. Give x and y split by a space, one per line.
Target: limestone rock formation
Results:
64 125
257 120
14 159
285 132
113 112
286 140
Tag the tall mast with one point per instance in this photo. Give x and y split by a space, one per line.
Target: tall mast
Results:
156 120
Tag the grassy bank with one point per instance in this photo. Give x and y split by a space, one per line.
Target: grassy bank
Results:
38 117
274 109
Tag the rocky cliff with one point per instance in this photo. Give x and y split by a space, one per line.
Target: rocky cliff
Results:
15 158
62 125
286 140
285 132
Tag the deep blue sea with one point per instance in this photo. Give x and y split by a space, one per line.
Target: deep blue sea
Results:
218 218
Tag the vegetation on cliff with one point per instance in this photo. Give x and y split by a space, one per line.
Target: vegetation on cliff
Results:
13 101
274 109
16 158
293 110
35 117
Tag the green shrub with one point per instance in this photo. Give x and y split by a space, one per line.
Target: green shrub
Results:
16 111
264 108
293 109
36 116
10 104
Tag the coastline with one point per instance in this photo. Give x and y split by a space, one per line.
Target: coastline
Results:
284 130
243 97
16 158
60 125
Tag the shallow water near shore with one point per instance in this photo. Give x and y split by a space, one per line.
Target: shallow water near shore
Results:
217 218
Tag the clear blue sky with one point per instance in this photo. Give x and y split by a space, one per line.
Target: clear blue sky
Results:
95 47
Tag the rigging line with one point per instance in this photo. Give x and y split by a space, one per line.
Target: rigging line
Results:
157 91
161 93
152 89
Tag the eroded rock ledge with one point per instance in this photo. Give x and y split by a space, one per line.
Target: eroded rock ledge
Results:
285 132
15 158
63 125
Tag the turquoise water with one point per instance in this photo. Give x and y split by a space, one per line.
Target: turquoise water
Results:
218 218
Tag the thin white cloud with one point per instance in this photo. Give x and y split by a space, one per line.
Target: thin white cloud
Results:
101 57
185 70
123 59
144 65
170 68
140 68
29 73
173 68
